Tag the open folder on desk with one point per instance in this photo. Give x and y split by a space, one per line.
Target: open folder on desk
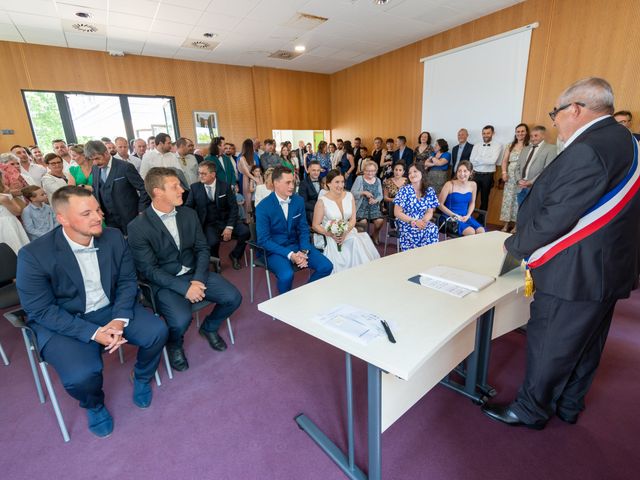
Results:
454 281
352 322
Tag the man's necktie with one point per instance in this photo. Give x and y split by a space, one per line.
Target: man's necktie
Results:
209 192
86 250
103 175
524 170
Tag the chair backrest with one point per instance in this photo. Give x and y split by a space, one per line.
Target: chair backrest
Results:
8 263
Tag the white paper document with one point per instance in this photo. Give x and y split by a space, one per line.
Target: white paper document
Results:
444 287
352 322
462 278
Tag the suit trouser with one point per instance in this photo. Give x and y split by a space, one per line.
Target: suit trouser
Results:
485 183
521 195
240 233
283 268
565 340
176 309
79 364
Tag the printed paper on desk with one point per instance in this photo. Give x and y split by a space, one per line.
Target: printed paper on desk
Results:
444 287
354 323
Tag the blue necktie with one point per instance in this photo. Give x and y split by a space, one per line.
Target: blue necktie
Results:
86 250
103 175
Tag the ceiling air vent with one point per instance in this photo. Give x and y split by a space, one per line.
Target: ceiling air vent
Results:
305 21
200 44
285 55
85 27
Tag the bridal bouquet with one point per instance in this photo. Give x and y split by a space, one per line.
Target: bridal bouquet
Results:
338 228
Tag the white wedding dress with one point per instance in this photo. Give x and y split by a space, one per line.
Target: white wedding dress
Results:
11 231
357 248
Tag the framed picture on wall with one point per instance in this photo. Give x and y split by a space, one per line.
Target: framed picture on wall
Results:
206 126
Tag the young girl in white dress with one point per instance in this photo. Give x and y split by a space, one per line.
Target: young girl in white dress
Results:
338 204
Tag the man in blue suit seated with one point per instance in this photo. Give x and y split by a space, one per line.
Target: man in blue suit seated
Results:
282 230
81 300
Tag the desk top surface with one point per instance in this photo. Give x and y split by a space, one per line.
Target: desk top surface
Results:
425 319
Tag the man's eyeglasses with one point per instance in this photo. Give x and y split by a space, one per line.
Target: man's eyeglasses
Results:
553 113
55 163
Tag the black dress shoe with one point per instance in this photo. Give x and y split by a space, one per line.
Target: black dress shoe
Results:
234 262
177 360
570 419
215 341
504 414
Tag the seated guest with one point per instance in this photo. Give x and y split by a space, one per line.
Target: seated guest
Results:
269 159
367 192
11 230
350 248
30 170
458 200
533 160
79 308
403 152
55 178
309 189
462 151
37 217
217 208
80 173
122 148
171 252
438 165
391 185
116 185
263 190
13 178
413 208
282 230
37 155
387 163
424 150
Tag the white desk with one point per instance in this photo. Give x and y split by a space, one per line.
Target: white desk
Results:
434 333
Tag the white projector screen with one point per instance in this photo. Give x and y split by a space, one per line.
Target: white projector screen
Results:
477 85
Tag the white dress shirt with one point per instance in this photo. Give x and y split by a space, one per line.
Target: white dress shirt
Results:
34 171
189 165
485 156
67 165
135 161
154 158
582 129
169 221
284 204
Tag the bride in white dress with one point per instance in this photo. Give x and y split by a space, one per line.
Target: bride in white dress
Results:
338 204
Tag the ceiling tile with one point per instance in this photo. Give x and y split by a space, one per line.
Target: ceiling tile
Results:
346 54
124 20
139 8
192 54
86 41
69 11
237 8
217 21
128 46
43 36
195 4
9 33
164 40
35 21
322 51
4 17
99 4
159 50
126 33
171 28
175 13
43 7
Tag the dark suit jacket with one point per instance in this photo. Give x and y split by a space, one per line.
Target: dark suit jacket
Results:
52 291
123 195
156 254
279 235
466 155
225 200
407 156
603 265
309 195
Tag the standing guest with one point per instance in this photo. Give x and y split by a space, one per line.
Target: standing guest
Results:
151 143
458 200
348 164
378 153
55 178
191 149
282 230
269 159
300 151
391 186
364 157
337 157
332 154
285 160
117 186
624 118
579 281
171 252
413 208
307 157
403 152
13 178
351 248
11 230
161 156
424 150
357 144
188 162
81 300
256 173
367 192
139 149
30 171
462 151
387 163
310 188
257 150
438 165
323 157
533 160
122 152
246 163
215 203
230 151
60 148
37 155
81 173
111 148
484 157
509 210
37 217
263 190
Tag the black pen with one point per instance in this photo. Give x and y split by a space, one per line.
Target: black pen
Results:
388 330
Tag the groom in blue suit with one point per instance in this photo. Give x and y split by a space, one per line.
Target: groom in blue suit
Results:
282 230
78 286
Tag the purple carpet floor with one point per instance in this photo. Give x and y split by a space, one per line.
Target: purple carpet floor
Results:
230 416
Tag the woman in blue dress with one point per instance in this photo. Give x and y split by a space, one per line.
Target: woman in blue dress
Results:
458 199
414 206
324 158
348 165
438 165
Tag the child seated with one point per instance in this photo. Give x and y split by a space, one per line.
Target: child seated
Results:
37 217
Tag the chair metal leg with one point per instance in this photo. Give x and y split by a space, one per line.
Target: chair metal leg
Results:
121 355
158 382
268 283
246 263
166 363
3 355
251 275
54 401
386 241
233 340
32 362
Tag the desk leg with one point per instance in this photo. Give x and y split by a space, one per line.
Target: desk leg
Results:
485 353
374 388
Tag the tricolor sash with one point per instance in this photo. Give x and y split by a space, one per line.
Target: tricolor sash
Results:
596 217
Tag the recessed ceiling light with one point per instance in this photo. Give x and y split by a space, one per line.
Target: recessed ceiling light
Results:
210 35
300 48
83 15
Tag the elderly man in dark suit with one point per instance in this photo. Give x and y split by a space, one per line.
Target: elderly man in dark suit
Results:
462 151
310 188
171 252
117 186
80 299
217 208
579 230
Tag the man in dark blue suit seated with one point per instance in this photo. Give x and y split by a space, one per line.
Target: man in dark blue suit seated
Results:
81 300
171 252
282 230
217 208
